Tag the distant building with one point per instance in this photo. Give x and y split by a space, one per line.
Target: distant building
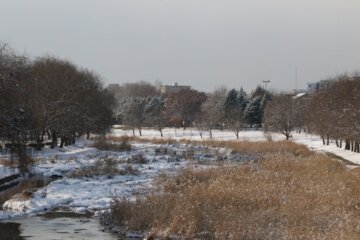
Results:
175 88
319 86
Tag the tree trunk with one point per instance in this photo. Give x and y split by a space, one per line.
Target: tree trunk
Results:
53 139
237 134
39 142
357 144
160 130
347 145
73 140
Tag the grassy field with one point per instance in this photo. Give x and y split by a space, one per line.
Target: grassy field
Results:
291 193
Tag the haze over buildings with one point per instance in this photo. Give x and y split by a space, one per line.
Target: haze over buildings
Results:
202 43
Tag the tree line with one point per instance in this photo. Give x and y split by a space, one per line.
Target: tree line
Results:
332 113
145 106
49 101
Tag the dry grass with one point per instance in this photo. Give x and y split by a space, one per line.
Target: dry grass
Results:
266 147
24 163
137 159
104 167
142 140
7 163
291 194
107 144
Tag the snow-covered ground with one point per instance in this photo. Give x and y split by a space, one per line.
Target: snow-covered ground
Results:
313 142
95 193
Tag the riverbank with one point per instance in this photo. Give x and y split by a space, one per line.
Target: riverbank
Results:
83 191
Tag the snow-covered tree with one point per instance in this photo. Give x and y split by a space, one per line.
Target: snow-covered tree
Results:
254 112
132 113
212 111
155 112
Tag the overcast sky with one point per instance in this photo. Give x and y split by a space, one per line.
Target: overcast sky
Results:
203 43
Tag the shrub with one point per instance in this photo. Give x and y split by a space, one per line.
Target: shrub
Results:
137 159
291 194
102 166
106 144
128 169
24 163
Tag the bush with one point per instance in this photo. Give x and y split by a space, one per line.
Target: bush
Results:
103 166
24 163
291 194
106 144
137 159
129 170
106 166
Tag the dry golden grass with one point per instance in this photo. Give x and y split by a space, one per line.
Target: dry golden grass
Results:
104 167
107 144
265 147
7 163
285 196
142 140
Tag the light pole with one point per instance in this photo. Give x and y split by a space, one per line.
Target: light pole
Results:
266 83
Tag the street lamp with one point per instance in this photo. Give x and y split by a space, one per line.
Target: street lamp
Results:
266 83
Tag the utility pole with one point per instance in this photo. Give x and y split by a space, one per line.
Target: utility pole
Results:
296 78
266 83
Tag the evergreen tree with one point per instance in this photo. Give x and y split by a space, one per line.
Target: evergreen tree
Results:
254 112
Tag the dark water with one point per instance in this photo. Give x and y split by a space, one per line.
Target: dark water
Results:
6 171
59 228
55 225
33 182
10 231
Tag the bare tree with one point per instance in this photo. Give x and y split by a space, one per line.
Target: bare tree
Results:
183 106
155 112
235 104
279 115
132 113
333 112
212 111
